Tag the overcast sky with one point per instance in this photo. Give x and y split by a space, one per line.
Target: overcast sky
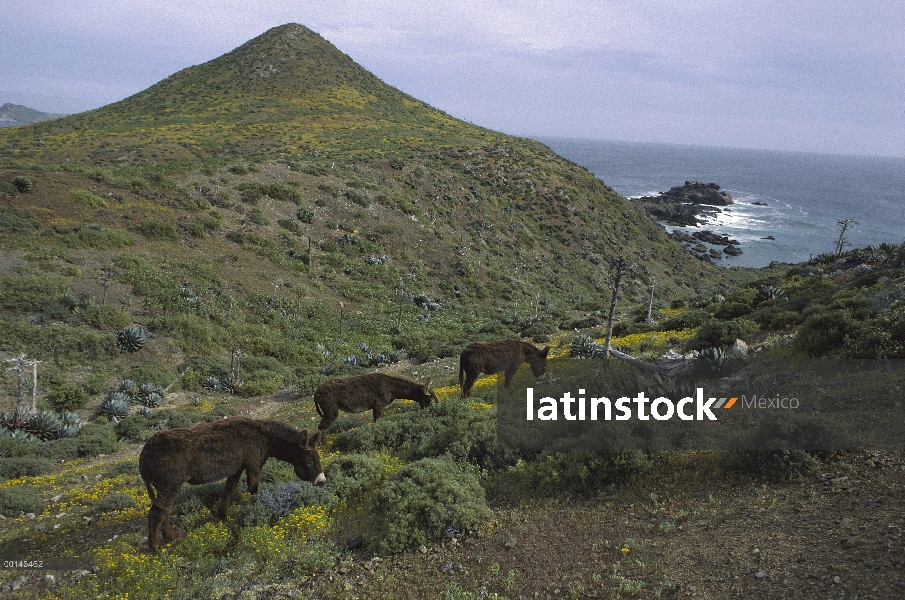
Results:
810 75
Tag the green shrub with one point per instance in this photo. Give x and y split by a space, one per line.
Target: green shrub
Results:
18 500
118 501
18 221
881 337
691 318
64 449
423 502
448 427
255 514
29 293
107 316
716 334
155 228
92 445
133 426
825 332
23 465
257 216
262 383
85 198
579 471
289 225
11 447
351 474
731 310
95 383
775 465
69 397
304 215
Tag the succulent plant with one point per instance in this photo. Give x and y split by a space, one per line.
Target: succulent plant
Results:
44 424
149 395
714 358
7 420
422 300
70 424
657 386
212 383
364 347
21 434
769 292
146 411
584 346
353 360
23 184
232 384
128 386
116 405
131 339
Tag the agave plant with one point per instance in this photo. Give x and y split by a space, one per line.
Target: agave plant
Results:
146 411
769 292
212 383
21 434
7 420
71 424
23 183
658 386
149 395
128 386
116 405
584 346
353 360
232 384
714 358
44 424
131 339
364 348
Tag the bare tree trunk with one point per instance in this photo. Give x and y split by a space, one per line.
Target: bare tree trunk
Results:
621 268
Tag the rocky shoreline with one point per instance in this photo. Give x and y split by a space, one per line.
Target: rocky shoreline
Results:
693 204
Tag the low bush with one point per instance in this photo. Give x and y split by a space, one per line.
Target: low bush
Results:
731 310
118 501
351 474
85 198
11 468
423 502
155 228
107 316
18 500
133 426
716 334
685 320
579 472
449 427
69 397
825 332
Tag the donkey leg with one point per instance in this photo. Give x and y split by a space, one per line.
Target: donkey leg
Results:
159 517
231 483
470 378
252 476
327 418
155 518
510 373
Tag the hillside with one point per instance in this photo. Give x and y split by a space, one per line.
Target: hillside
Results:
16 114
224 241
295 197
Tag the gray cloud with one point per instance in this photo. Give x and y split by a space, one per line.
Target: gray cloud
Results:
811 75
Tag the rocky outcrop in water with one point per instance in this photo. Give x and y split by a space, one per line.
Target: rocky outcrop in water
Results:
688 204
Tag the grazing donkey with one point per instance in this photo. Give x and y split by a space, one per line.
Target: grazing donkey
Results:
212 451
500 355
373 392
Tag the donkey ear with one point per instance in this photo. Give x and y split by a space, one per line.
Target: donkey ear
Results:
303 438
545 351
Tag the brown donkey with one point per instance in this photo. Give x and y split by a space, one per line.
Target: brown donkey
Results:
374 392
212 451
501 355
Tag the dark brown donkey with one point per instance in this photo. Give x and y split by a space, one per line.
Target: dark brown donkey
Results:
501 355
212 451
373 392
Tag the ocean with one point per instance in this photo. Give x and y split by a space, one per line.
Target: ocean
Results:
805 194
